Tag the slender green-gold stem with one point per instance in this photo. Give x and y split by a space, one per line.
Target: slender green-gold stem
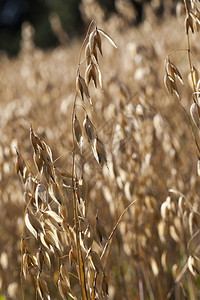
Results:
80 260
189 49
79 254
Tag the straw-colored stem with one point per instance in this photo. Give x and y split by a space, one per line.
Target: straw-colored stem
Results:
79 254
83 44
80 260
189 49
190 62
115 227
190 124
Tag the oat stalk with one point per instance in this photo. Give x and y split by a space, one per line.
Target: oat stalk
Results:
189 46
115 227
80 259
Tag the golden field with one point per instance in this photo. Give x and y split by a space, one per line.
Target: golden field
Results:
151 158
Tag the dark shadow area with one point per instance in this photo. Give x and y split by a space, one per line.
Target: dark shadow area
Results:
14 12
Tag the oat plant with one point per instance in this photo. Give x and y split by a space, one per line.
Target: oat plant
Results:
172 74
57 243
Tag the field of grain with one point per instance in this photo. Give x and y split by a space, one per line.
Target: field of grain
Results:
58 214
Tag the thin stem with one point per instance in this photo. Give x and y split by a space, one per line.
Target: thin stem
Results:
178 279
190 62
83 44
189 48
148 283
62 155
69 273
177 50
80 260
115 227
189 120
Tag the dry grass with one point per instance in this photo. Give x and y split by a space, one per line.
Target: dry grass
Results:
135 142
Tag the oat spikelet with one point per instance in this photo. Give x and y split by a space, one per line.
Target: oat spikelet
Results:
82 88
170 85
99 151
173 71
48 172
41 192
55 193
42 288
108 37
191 265
20 164
100 231
88 237
194 112
189 24
96 261
97 40
99 75
28 262
35 140
65 290
33 224
195 75
91 73
91 42
43 258
78 133
52 214
87 54
38 161
46 153
89 129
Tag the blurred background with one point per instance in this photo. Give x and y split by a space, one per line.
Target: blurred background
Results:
150 146
47 15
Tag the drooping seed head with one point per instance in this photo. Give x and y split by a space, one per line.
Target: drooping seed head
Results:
96 261
78 132
82 88
194 112
100 230
89 129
